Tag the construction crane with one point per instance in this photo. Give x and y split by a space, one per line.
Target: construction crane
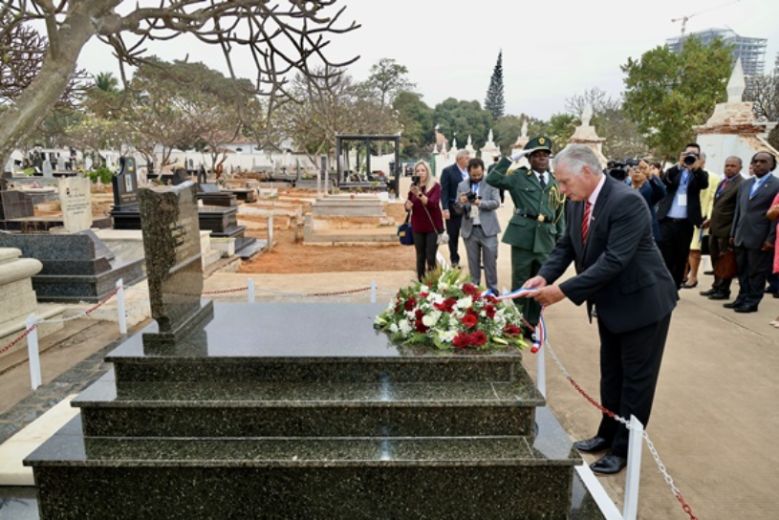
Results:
685 19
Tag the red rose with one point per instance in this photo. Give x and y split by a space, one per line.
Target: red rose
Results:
479 338
410 303
491 299
462 340
490 311
418 321
423 294
512 330
447 305
470 320
471 290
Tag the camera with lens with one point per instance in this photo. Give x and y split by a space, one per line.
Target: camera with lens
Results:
471 196
415 180
617 170
690 158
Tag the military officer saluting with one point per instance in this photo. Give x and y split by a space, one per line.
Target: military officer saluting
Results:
538 219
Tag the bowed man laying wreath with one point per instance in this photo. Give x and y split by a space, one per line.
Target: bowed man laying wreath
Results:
445 312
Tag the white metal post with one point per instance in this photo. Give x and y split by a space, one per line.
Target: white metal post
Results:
373 291
33 354
541 370
635 442
270 231
120 310
250 290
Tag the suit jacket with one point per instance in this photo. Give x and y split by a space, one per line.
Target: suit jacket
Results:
699 180
721 219
619 269
450 179
751 228
490 201
525 231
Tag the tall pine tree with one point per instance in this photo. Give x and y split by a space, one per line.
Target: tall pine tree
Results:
495 103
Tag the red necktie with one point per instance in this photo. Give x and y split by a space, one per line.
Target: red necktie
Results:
586 221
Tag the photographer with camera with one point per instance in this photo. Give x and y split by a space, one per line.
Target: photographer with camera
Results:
423 202
477 201
680 210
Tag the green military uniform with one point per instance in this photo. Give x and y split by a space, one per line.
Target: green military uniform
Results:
537 223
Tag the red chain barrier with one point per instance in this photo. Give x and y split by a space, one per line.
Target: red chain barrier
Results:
238 289
87 312
310 295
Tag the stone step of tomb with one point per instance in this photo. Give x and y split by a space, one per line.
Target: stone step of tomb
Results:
500 477
299 342
202 409
376 235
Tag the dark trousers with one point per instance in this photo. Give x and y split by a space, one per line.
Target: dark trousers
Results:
675 246
426 245
629 366
718 247
754 268
453 229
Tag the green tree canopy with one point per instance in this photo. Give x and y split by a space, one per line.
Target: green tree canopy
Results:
666 93
495 102
459 119
387 78
416 119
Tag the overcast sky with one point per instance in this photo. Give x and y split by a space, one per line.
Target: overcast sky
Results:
551 49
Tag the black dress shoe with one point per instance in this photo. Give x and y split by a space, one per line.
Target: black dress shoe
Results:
609 464
708 272
745 308
709 292
592 445
732 305
719 296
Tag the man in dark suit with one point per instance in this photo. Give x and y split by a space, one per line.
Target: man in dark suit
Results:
451 177
720 223
680 210
619 269
752 234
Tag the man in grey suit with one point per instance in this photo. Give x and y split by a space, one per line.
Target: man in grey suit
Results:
619 270
477 201
752 234
721 221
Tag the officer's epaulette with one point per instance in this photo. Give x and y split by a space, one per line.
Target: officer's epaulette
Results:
520 169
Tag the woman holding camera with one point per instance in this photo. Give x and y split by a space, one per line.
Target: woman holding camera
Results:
646 179
423 202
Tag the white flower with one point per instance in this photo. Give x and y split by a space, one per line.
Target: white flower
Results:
431 319
393 328
447 336
424 288
442 286
411 315
405 327
464 303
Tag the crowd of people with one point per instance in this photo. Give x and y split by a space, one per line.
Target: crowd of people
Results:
635 239
692 212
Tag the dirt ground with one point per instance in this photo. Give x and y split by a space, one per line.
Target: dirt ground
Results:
289 256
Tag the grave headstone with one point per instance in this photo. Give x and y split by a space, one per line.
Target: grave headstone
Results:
15 204
125 184
76 202
48 171
180 176
61 166
88 163
10 166
171 241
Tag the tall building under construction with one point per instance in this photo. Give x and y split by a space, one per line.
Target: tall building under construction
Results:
750 50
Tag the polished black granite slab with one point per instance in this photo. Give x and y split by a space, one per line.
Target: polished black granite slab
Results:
380 477
297 342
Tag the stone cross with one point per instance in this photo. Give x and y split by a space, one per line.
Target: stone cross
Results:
587 115
171 242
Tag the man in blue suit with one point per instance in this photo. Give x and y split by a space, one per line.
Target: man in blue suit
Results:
451 177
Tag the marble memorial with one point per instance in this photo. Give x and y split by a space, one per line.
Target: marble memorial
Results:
76 202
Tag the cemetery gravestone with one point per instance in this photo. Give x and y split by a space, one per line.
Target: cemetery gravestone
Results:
125 184
76 202
171 241
48 171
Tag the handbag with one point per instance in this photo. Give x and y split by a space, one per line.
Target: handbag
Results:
725 266
405 233
443 236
